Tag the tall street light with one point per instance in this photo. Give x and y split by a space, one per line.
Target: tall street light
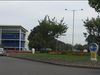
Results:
73 25
98 14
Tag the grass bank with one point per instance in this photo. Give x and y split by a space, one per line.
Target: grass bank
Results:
66 57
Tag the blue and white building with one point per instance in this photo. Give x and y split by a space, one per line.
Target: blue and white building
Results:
13 37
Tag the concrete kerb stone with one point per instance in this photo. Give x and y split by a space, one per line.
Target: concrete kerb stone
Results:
59 64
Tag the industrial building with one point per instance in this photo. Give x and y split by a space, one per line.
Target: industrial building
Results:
12 37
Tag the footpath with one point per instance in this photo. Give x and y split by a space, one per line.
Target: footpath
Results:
78 64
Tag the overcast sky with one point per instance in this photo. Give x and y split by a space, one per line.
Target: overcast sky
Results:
27 14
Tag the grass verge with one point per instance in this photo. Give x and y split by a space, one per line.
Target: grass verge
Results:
56 56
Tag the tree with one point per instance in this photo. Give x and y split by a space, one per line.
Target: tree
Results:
95 4
44 35
79 47
61 46
93 31
68 47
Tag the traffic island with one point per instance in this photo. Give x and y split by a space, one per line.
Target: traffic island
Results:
61 62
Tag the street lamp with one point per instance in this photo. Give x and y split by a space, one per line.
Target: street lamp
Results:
98 14
73 25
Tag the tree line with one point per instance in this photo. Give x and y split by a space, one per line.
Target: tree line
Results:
46 33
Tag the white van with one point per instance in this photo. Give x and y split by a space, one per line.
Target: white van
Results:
2 52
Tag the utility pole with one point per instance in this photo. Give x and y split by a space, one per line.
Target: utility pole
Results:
73 25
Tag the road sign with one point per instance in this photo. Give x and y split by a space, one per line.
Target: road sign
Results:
93 47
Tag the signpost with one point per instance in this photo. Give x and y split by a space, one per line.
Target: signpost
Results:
93 47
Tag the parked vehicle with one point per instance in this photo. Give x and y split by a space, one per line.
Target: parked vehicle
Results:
2 52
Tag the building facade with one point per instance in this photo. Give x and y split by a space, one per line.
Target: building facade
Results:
12 37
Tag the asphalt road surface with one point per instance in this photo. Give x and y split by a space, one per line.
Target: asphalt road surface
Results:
13 66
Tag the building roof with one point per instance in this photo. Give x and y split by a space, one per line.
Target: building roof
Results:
19 26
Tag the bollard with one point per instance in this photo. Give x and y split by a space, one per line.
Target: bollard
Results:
33 50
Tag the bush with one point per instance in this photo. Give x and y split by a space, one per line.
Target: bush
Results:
55 52
80 53
69 53
44 51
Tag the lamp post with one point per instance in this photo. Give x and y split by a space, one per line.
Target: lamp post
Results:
98 14
73 25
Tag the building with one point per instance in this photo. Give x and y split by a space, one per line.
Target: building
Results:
12 37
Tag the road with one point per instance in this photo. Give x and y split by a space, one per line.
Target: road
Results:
13 66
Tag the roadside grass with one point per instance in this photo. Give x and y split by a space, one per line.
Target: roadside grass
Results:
67 57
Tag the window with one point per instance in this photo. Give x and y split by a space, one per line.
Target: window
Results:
10 36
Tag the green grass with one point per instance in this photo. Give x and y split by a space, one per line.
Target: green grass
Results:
56 56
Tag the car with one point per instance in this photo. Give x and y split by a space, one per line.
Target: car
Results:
2 52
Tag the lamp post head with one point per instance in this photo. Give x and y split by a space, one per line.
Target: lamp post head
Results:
73 10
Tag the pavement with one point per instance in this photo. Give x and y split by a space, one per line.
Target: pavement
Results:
78 64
